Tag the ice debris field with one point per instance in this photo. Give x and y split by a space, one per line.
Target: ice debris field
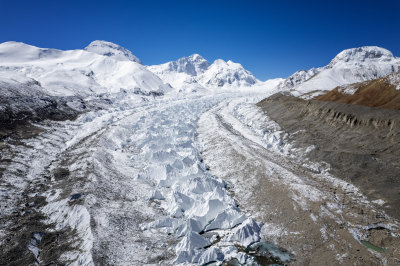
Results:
147 193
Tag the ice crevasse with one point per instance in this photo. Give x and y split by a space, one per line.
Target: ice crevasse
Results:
201 213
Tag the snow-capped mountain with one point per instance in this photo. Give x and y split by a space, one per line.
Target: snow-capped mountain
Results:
182 73
227 74
349 66
101 68
105 67
194 73
192 65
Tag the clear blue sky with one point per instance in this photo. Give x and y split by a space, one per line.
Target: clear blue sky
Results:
270 38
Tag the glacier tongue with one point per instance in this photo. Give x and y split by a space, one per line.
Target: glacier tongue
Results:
194 201
134 186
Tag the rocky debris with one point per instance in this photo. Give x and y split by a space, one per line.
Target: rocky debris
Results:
15 109
361 144
17 113
316 216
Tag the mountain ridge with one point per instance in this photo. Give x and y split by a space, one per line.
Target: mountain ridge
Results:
78 72
194 73
105 67
347 67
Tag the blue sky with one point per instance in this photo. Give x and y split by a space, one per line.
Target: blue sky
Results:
269 38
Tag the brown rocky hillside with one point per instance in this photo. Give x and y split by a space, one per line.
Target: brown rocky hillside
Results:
380 93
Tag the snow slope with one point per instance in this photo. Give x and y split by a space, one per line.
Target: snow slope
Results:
14 84
349 66
298 77
112 50
267 87
102 68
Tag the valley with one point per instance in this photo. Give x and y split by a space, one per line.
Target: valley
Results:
106 161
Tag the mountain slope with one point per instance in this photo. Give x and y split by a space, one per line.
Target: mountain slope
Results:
349 66
383 92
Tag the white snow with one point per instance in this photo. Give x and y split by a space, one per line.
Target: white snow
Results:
394 79
213 254
246 233
347 89
112 50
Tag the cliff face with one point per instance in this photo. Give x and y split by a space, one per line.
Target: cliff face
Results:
361 144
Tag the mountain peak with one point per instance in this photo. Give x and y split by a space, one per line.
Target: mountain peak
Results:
363 53
227 64
220 62
193 65
111 49
196 57
222 73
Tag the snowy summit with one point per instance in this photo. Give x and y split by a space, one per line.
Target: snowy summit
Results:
349 66
111 49
194 73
